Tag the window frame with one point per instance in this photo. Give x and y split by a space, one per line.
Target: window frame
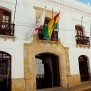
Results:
5 13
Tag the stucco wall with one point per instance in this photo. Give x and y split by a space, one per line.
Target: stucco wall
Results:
15 49
25 22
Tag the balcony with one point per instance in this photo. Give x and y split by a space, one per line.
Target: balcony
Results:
7 30
54 37
82 40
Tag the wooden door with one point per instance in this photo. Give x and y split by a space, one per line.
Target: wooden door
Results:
5 72
84 68
55 71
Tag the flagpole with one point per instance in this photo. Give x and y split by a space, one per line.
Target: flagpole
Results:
90 29
59 20
81 21
45 7
44 19
15 12
52 12
53 29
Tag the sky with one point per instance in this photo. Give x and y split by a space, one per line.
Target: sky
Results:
86 1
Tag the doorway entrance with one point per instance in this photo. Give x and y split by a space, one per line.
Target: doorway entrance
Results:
84 68
47 66
5 71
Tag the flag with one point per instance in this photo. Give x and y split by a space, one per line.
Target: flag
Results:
40 21
56 25
53 24
45 33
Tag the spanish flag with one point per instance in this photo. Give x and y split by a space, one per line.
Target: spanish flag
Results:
53 24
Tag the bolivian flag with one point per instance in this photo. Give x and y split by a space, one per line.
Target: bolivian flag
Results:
53 24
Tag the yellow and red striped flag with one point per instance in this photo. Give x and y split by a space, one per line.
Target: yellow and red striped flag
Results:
53 24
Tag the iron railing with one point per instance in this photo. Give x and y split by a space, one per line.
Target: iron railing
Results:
54 36
84 40
6 29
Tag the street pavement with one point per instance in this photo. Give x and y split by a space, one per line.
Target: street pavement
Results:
86 86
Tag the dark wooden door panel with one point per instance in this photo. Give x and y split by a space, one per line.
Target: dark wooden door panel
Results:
5 72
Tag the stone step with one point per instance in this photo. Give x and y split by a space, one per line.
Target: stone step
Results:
53 89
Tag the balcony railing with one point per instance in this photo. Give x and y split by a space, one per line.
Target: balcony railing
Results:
54 36
6 29
83 40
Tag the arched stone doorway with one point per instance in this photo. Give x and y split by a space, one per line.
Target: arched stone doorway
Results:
84 68
47 67
5 71
48 48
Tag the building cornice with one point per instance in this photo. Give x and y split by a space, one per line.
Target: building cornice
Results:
80 8
70 5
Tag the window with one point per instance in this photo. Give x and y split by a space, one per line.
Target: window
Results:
6 28
81 38
79 30
5 16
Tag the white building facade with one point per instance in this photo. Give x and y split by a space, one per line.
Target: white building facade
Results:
19 46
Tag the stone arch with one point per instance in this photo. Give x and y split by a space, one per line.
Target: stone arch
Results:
47 70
